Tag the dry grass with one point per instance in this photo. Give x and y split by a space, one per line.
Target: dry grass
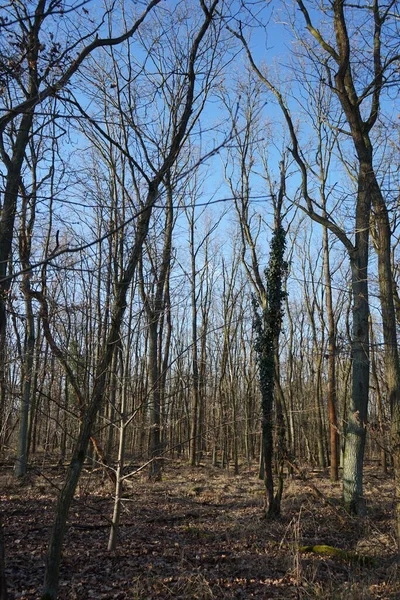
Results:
200 533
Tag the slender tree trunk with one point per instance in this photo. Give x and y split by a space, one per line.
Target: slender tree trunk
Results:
194 422
27 221
113 538
155 407
333 428
374 373
320 432
391 354
281 449
267 328
8 212
7 220
21 463
93 404
14 165
292 434
155 303
79 453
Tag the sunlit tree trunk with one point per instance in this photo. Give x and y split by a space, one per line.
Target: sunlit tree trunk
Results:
382 242
341 74
356 416
378 392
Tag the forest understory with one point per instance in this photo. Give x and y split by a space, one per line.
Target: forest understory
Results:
200 533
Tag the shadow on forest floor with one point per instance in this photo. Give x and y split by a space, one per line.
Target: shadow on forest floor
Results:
200 534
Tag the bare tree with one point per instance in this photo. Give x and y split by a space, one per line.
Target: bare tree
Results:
153 290
268 289
186 116
31 61
341 67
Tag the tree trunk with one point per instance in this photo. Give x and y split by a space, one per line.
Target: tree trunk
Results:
67 493
113 538
21 463
391 356
320 431
194 422
378 392
333 428
267 327
155 407
355 429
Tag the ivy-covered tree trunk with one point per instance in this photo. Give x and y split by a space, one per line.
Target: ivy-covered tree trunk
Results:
267 325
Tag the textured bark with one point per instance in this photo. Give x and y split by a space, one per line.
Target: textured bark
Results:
396 463
382 239
357 410
355 429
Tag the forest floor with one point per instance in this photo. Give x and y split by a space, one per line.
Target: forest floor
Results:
200 534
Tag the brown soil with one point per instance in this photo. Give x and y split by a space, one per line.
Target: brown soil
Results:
200 534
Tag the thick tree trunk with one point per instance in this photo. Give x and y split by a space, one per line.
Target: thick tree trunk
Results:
391 355
355 429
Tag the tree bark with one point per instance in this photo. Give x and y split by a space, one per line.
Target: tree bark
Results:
355 428
382 239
